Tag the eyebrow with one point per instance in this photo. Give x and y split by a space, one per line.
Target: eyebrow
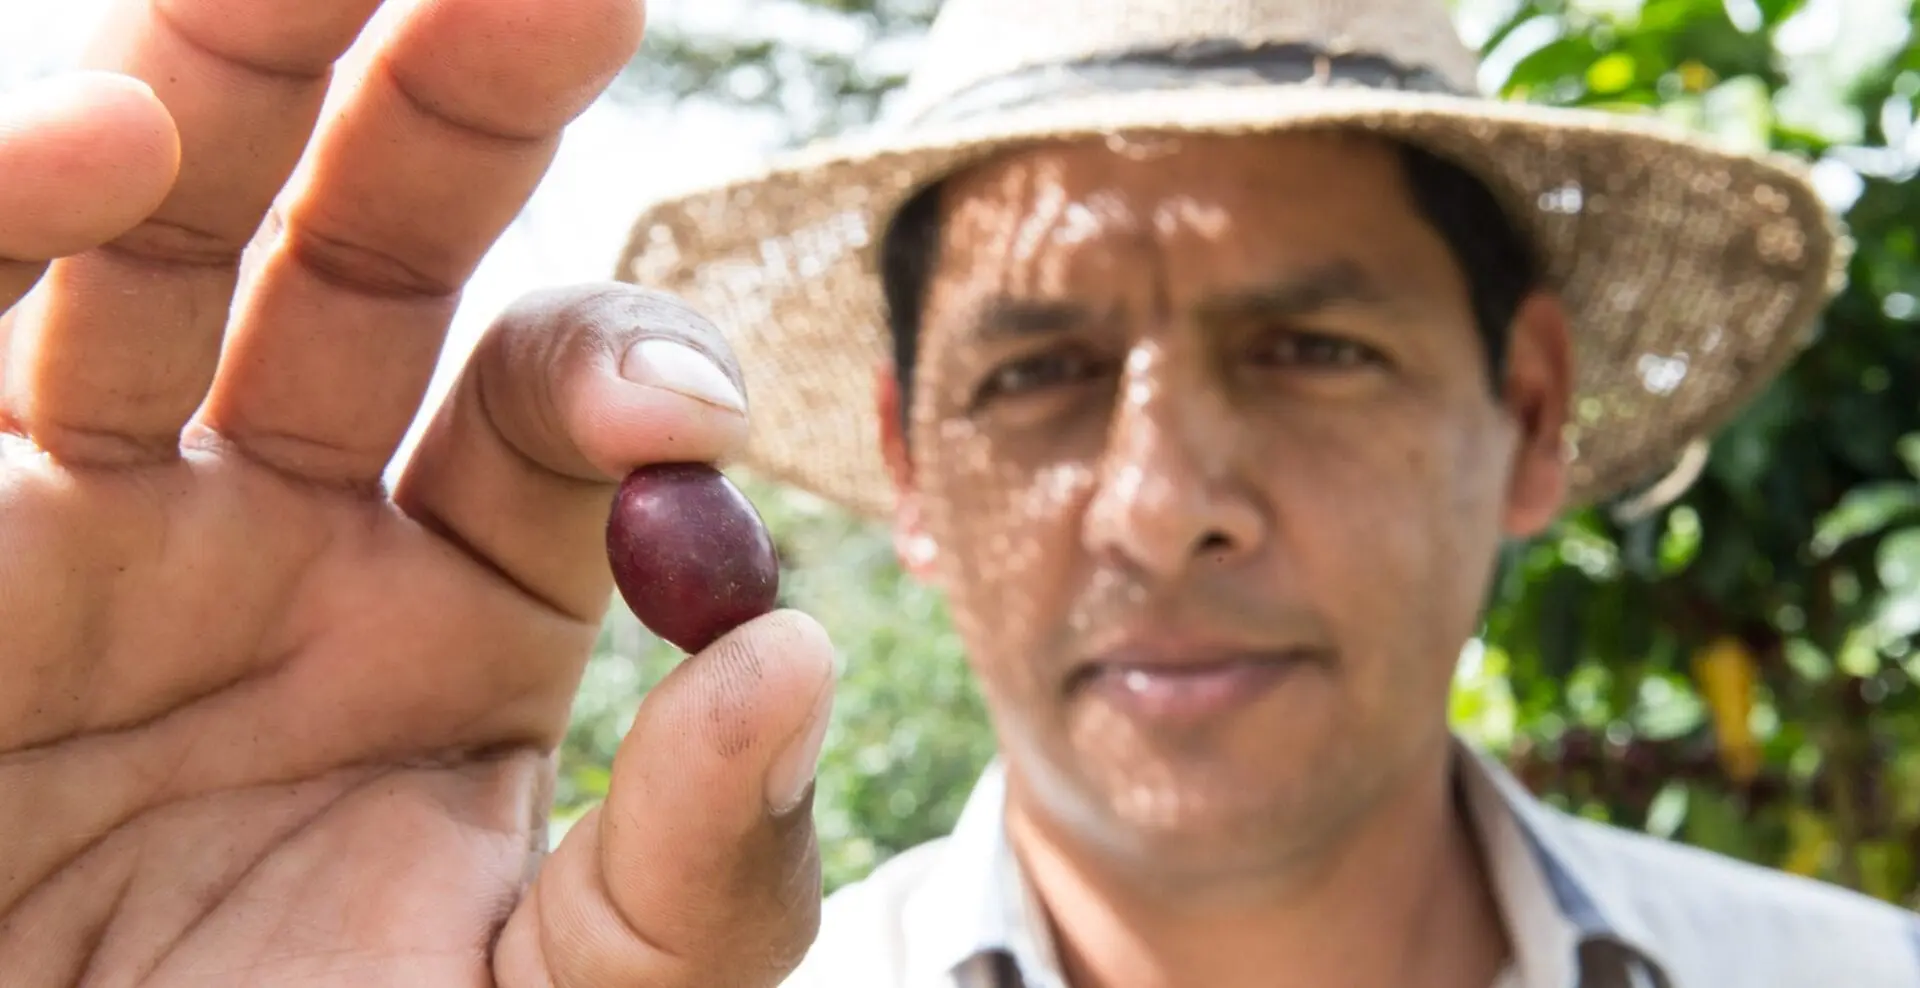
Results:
1315 290
1332 285
1006 317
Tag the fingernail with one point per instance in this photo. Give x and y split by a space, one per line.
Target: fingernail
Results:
794 769
677 367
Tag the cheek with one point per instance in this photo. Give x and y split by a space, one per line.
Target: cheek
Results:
1008 534
1392 522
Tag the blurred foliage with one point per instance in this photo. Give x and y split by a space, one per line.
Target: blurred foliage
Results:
1736 670
822 66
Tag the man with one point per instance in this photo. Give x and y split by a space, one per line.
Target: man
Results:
1227 343
264 723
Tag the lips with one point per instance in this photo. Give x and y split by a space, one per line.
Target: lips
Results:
1173 686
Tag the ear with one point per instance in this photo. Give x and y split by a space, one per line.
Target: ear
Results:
911 543
1538 396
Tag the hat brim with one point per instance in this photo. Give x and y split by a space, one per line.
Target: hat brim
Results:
1691 273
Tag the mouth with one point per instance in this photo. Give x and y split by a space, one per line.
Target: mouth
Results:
1184 687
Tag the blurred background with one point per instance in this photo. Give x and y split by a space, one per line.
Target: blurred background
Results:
1738 669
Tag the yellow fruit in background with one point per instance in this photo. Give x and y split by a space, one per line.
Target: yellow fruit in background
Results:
1726 675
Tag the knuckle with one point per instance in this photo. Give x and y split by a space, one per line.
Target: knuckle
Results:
99 445
608 318
650 312
168 243
551 354
364 269
517 373
800 904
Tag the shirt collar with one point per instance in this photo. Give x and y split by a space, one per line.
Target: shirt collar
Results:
1554 900
977 903
1583 894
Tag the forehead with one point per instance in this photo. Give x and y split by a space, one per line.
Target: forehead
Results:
1179 224
1296 180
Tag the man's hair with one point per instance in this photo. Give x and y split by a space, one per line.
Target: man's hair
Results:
1493 256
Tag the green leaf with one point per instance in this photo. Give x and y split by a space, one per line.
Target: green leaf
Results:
1865 510
1520 17
1668 811
1680 543
1775 12
1554 62
1611 74
1908 449
1898 563
1664 17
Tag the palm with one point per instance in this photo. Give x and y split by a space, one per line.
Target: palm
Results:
311 669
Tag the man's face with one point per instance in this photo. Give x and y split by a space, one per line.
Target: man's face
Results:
1205 455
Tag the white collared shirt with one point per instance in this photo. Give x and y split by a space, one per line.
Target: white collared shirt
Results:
1585 906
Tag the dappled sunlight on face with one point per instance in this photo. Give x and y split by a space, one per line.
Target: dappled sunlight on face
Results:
1204 440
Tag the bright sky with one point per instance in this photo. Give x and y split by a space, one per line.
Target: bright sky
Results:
615 157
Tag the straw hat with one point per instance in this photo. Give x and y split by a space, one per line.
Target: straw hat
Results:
1692 274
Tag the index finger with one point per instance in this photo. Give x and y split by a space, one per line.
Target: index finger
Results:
437 144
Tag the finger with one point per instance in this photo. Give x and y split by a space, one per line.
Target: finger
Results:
439 145
128 336
702 868
83 157
569 391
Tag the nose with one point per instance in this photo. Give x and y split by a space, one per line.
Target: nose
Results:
1170 492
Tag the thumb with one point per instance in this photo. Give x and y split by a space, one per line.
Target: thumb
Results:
701 869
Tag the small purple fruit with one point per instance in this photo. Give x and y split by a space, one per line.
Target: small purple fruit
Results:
690 555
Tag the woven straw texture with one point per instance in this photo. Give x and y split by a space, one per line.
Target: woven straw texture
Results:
1692 274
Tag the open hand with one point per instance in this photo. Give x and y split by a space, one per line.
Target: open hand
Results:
263 721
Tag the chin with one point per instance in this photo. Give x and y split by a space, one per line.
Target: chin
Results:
1215 843
1217 801
1196 817
1250 764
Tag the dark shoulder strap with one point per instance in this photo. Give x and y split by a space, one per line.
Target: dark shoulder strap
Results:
1006 972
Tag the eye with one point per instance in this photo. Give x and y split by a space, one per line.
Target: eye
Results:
1028 375
1315 350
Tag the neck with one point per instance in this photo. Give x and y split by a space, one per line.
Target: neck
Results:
1401 898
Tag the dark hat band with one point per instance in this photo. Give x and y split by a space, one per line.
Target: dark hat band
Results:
1201 63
